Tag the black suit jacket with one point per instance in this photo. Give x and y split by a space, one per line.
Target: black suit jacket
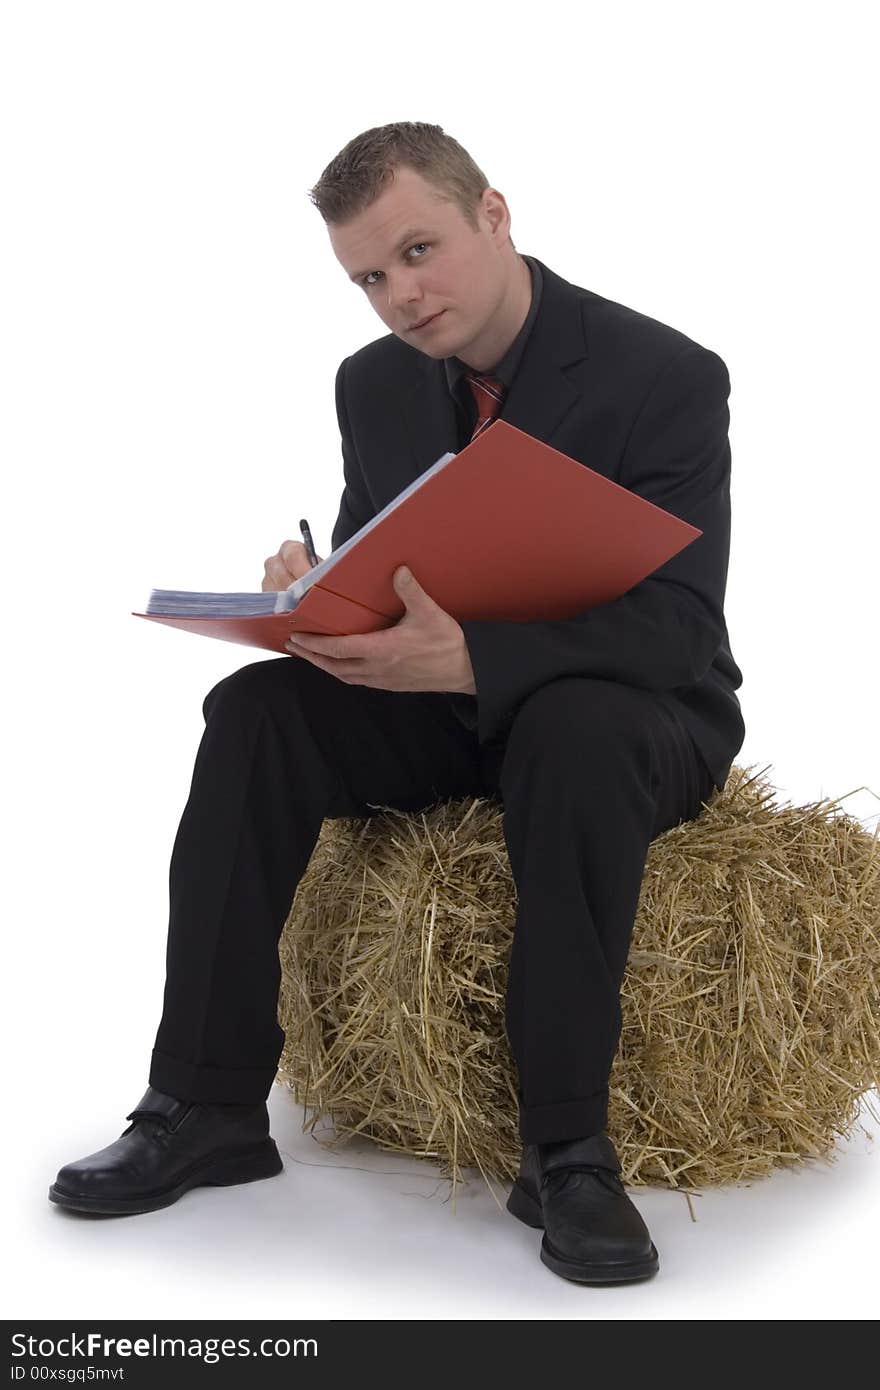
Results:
630 397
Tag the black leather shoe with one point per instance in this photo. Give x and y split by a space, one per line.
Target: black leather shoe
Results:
592 1232
171 1146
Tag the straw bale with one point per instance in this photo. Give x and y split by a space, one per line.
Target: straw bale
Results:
751 1001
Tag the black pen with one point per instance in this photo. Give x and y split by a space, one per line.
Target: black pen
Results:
309 543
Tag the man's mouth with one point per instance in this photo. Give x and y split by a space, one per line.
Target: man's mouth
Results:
424 322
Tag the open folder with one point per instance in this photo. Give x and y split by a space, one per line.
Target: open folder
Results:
509 529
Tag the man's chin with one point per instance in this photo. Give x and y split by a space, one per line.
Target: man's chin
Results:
436 352
427 349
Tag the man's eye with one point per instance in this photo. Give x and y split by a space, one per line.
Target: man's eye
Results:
416 244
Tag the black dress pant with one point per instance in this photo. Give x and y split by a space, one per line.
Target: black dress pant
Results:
588 773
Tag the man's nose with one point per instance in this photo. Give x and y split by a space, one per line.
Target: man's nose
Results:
402 289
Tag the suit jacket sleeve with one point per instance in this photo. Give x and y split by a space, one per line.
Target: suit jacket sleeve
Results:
665 631
355 508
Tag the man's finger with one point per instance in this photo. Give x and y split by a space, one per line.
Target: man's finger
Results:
357 647
353 672
273 577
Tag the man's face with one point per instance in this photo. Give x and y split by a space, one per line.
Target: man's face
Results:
414 255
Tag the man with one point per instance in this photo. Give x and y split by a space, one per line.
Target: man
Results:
596 733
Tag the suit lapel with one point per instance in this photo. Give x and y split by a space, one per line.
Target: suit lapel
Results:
543 392
429 419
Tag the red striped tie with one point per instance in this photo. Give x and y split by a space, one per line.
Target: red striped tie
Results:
489 394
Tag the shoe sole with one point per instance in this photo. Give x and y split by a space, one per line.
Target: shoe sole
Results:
245 1166
527 1208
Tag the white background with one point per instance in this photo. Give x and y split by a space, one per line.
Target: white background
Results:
172 320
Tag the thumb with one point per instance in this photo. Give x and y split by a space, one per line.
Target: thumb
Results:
407 586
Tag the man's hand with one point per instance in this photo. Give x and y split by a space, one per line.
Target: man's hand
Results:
291 562
424 650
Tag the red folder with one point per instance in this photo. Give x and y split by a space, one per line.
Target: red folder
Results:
510 529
